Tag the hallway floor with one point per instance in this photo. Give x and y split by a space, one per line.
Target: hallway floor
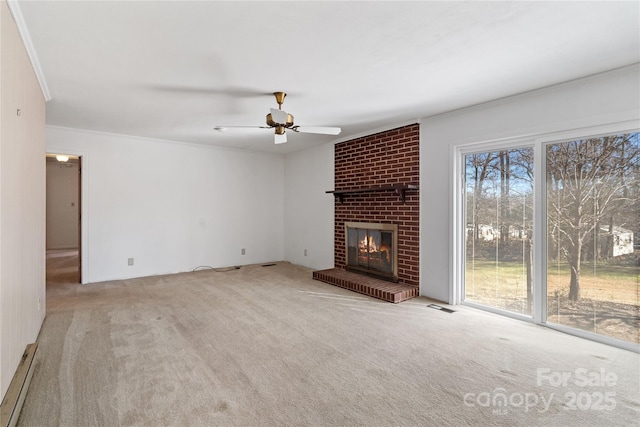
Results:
63 267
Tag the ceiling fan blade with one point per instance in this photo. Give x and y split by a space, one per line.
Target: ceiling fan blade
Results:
226 128
279 116
317 129
280 139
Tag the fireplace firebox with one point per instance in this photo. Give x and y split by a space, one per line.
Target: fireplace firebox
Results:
372 249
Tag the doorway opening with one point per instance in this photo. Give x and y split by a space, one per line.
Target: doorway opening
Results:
63 219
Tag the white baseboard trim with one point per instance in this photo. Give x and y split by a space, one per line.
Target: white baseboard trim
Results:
17 391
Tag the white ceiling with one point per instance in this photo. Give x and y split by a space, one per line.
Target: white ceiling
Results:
173 70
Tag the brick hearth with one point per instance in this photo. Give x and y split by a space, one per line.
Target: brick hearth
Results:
381 289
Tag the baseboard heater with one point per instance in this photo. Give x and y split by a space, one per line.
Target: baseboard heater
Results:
17 391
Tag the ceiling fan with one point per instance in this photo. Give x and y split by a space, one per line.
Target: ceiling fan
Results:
280 121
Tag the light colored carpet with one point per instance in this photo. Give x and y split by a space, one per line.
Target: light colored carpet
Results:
270 346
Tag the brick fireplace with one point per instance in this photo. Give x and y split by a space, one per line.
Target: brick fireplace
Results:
376 181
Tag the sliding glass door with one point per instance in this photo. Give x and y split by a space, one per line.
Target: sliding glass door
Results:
593 235
587 221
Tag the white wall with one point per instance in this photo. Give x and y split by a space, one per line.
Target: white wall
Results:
598 100
22 201
62 205
172 206
309 214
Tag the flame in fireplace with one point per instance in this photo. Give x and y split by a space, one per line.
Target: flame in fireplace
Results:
368 243
384 249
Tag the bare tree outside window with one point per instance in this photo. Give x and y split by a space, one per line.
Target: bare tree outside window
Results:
499 218
593 221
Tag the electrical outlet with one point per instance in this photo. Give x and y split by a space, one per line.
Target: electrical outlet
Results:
130 261
305 252
243 251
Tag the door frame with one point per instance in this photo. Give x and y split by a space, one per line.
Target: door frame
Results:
83 194
538 142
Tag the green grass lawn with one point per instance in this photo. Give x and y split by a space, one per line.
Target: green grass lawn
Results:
507 280
609 294
498 284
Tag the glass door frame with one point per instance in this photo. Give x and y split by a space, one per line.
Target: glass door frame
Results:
538 142
459 247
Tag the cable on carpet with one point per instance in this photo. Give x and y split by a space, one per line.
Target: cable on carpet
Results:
219 270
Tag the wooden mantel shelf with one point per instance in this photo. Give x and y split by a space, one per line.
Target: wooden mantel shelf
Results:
399 189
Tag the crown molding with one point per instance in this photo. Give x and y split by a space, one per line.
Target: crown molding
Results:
14 7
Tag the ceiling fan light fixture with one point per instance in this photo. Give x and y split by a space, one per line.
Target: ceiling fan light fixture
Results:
62 158
280 138
279 118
